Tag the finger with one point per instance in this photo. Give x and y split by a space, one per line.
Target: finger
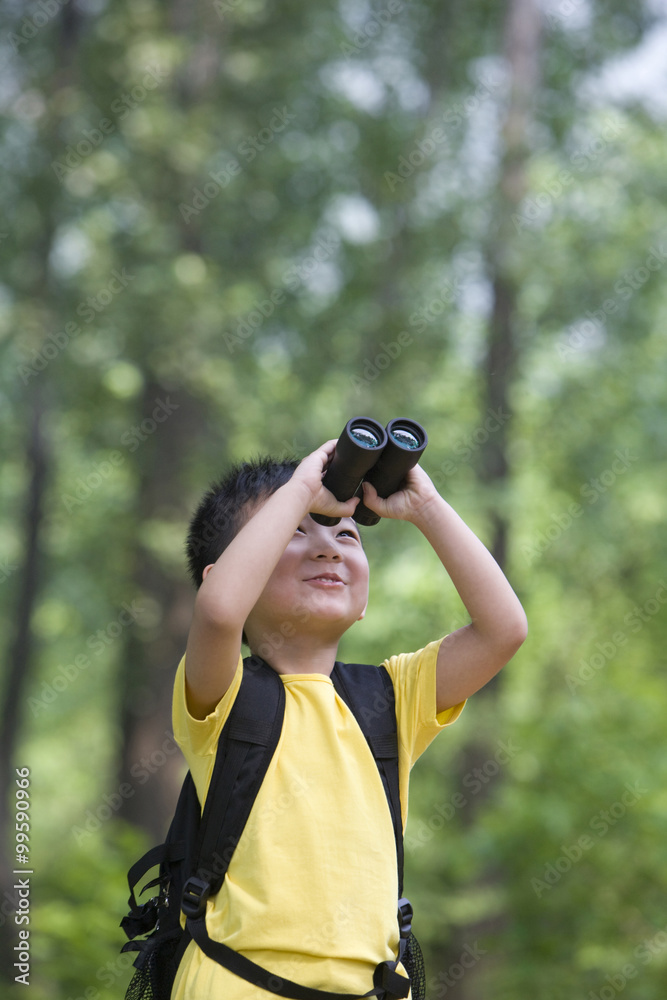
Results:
348 507
329 448
372 499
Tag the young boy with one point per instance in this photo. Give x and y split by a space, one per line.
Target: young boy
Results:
311 890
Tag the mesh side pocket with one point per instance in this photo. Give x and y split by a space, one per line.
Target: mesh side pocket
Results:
154 980
413 962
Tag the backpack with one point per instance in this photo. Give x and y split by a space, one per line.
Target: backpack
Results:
199 846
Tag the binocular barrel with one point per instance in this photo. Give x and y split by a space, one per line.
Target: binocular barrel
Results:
366 451
357 450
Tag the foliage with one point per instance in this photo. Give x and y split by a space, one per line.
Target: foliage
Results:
342 268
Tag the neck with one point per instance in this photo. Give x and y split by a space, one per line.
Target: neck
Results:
299 657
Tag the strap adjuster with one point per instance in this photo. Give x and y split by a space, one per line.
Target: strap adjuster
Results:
195 896
405 917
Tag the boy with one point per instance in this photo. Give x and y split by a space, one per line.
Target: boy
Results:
311 890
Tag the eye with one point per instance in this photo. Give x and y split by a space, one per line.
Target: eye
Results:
350 533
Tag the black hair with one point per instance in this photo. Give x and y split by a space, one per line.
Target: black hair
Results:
221 514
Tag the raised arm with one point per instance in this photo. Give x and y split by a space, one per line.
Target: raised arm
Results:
232 585
469 657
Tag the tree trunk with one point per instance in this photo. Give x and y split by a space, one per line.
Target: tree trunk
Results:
522 50
19 666
150 762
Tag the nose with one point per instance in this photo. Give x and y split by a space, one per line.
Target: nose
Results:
324 545
327 550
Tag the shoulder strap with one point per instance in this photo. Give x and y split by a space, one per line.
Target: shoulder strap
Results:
369 694
245 748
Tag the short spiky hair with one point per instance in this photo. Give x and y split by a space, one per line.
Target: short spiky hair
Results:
220 514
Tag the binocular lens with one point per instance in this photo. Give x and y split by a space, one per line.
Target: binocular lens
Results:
365 450
405 438
365 437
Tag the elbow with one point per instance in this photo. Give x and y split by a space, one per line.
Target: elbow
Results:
522 627
214 614
517 632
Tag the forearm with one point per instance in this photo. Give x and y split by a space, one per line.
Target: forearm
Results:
495 610
236 580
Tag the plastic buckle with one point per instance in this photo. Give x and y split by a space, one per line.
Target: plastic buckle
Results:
405 917
195 895
392 985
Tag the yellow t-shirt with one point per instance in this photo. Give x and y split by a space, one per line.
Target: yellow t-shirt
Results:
311 889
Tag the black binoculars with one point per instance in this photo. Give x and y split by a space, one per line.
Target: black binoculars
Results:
366 451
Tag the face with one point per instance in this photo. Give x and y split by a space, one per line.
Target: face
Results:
320 583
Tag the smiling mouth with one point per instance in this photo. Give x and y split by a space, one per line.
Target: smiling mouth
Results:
328 579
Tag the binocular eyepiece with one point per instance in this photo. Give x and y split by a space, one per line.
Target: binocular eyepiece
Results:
366 451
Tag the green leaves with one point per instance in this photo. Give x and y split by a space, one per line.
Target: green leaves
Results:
226 229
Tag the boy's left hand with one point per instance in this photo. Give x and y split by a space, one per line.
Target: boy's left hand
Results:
406 504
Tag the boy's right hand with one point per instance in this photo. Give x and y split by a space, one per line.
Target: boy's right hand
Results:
310 472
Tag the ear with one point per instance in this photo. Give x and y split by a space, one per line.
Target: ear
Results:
206 571
363 614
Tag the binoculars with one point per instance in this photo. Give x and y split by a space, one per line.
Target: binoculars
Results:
366 451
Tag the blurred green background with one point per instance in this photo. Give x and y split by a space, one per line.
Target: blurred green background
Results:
226 228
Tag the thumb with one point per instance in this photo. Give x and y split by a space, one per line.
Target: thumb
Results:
372 497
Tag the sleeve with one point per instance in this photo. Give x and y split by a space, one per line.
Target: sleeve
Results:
414 678
199 737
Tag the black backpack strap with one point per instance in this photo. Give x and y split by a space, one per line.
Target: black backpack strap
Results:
252 973
248 741
369 694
